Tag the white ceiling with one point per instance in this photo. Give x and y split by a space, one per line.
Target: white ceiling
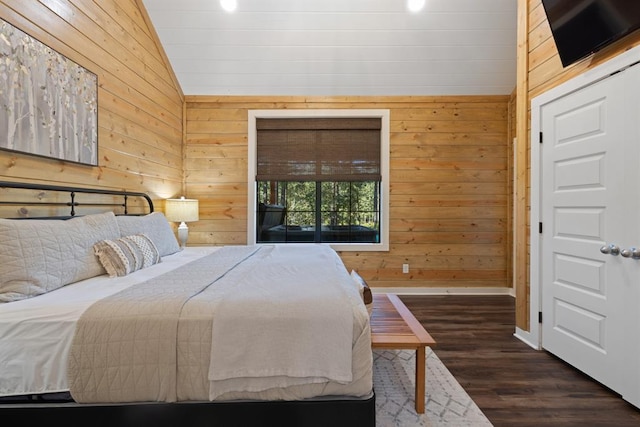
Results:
339 47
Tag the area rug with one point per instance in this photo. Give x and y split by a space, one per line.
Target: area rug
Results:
446 402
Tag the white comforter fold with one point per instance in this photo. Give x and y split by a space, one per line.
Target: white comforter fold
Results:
284 318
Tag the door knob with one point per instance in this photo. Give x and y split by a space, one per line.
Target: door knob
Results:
610 250
631 253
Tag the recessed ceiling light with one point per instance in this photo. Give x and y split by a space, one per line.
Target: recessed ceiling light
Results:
415 5
229 5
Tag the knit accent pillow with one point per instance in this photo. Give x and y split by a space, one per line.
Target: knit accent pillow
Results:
126 254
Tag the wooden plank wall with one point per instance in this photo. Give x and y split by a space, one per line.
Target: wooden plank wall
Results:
543 71
449 155
449 184
140 105
512 123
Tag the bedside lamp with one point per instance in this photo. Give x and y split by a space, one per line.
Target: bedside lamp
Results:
181 210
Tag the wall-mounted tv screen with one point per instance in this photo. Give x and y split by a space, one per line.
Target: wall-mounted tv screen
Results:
581 27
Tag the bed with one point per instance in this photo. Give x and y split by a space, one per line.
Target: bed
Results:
104 320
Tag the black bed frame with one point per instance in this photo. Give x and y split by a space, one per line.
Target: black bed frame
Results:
73 193
304 413
59 409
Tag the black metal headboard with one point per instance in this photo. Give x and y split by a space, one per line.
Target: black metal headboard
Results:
73 194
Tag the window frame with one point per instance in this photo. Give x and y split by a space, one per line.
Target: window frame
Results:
382 114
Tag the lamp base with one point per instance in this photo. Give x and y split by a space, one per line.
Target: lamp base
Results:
183 234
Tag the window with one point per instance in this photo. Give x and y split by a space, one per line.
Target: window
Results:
320 212
319 177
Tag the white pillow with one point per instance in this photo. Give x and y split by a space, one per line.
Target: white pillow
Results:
154 225
39 256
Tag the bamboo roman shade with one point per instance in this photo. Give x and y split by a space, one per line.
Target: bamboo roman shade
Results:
318 149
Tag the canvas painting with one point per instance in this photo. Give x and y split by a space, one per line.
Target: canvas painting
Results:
48 103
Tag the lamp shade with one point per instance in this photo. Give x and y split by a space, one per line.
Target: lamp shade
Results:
181 210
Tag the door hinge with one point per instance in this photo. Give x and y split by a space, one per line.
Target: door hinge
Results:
540 227
539 317
540 138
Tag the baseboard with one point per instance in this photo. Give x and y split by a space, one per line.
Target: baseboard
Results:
443 291
526 338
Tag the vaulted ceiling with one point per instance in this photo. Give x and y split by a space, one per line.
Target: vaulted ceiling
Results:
339 47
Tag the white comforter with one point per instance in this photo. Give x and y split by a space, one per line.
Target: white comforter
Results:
245 322
282 318
36 333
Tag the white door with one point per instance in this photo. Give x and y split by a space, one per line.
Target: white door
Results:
589 201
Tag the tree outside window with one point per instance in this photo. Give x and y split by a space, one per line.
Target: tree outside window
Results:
320 212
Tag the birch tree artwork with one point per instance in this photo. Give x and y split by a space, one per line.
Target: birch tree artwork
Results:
48 103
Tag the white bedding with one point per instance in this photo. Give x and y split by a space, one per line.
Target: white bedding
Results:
36 334
287 325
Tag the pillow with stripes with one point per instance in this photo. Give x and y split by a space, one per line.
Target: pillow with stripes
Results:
127 254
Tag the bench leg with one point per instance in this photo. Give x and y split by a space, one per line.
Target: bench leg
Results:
420 379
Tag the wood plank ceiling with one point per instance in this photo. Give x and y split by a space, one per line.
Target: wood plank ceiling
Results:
339 47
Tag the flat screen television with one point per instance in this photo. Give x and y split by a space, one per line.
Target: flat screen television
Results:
581 27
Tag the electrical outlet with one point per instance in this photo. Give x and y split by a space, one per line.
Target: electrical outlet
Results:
405 268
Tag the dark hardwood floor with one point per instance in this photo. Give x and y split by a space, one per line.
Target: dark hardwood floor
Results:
513 384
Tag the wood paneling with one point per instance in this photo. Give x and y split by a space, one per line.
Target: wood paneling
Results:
539 69
140 105
449 193
521 178
449 154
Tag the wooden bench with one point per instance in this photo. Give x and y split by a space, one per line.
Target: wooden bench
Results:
393 327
